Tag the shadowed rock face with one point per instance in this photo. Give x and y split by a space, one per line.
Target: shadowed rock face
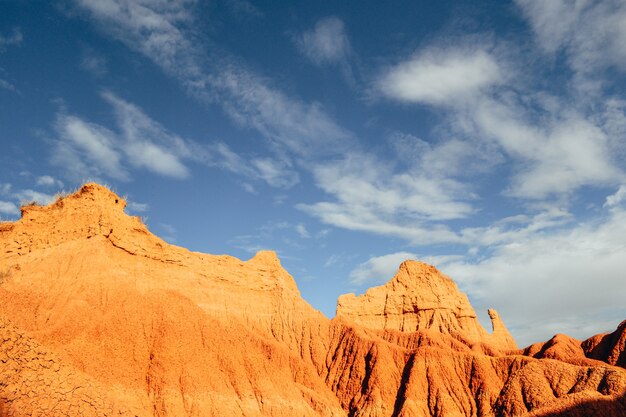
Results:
610 347
100 317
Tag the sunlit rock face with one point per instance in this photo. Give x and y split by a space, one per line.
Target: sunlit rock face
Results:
419 297
99 317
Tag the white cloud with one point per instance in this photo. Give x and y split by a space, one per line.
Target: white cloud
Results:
48 181
249 188
151 146
563 279
371 196
556 156
157 29
150 26
5 188
13 39
591 33
8 208
143 143
379 269
94 63
326 43
147 144
617 198
86 150
275 173
302 129
513 228
7 85
28 196
441 76
302 232
145 154
135 207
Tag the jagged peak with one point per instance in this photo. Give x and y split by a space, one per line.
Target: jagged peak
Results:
420 297
89 195
268 257
93 210
268 261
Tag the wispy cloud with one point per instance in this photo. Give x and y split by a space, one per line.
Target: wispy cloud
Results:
326 44
379 269
9 208
29 196
573 268
302 231
591 33
146 143
159 31
616 199
553 145
7 85
135 207
48 181
556 155
15 38
371 194
86 150
441 76
275 172
94 63
272 235
244 8
304 130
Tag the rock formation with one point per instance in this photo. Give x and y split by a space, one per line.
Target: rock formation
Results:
419 297
100 317
610 347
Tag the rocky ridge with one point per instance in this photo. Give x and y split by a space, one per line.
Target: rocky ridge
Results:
100 317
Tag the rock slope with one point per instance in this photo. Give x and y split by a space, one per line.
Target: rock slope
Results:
100 317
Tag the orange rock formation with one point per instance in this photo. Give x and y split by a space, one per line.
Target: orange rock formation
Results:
100 317
418 298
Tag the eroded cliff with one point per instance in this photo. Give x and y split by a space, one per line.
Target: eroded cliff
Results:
100 317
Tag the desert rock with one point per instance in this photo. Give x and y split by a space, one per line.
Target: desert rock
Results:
419 297
100 317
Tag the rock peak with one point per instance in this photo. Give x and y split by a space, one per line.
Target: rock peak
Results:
93 210
267 257
419 297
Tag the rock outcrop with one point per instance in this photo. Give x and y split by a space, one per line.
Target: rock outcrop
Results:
609 347
100 317
419 297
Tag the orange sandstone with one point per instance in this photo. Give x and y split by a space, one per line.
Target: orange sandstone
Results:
100 317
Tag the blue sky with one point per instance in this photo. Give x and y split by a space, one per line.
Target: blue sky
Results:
485 137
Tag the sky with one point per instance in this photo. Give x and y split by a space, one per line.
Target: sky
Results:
485 137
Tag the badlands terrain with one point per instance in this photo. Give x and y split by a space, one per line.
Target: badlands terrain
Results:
99 317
